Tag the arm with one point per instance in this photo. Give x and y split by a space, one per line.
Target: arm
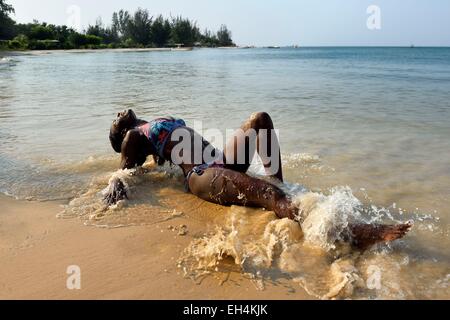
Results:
133 155
133 152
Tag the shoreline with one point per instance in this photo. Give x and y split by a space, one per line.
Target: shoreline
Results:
6 53
44 52
137 262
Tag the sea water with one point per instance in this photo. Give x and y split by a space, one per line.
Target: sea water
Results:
364 134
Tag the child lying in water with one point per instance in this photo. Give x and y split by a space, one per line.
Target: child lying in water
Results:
223 181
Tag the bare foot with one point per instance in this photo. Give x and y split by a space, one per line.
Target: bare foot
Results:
365 235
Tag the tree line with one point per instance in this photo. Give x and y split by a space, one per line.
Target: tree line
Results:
126 30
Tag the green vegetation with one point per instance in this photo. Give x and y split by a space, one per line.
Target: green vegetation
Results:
6 23
137 30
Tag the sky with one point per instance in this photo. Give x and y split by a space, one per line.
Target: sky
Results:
276 22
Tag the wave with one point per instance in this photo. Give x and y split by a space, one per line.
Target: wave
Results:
49 180
7 61
145 204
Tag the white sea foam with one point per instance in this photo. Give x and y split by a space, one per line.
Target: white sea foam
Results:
7 61
325 217
141 185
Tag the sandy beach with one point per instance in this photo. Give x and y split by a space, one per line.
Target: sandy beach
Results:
127 263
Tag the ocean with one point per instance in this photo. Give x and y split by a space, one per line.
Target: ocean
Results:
363 131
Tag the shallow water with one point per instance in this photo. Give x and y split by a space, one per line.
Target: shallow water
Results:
364 132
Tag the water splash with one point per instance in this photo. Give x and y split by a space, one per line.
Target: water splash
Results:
324 218
311 254
7 62
144 204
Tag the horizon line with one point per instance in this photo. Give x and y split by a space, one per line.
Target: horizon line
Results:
344 46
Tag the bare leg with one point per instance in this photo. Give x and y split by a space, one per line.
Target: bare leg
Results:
231 186
228 187
241 142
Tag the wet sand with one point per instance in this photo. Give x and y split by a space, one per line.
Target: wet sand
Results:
123 263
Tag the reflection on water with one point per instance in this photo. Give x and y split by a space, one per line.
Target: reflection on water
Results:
372 119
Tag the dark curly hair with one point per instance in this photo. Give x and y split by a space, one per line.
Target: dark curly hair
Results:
126 121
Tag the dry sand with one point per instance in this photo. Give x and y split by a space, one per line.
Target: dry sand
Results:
125 263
